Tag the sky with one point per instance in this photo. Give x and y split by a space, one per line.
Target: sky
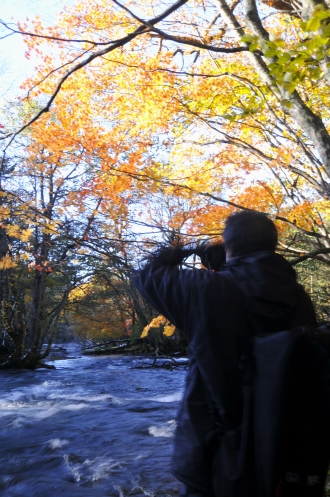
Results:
14 67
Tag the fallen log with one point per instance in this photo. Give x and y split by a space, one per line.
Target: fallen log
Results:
121 341
165 362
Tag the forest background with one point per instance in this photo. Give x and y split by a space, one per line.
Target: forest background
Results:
144 123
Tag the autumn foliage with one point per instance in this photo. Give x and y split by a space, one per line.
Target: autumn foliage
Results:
153 121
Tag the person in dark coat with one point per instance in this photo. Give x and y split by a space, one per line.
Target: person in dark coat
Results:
253 290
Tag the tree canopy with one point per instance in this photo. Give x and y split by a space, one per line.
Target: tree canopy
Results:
146 121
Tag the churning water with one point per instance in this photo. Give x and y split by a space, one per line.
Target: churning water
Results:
92 427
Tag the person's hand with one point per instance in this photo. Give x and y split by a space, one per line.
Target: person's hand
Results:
171 256
212 256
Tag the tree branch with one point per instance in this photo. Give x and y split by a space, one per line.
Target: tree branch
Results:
181 39
140 30
53 38
309 122
310 255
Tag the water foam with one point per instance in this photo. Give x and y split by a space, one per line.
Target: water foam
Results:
80 397
120 490
57 443
91 470
75 407
175 397
45 413
163 431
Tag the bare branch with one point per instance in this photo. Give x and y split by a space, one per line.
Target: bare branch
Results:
310 255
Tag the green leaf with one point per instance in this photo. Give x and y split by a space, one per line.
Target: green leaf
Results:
326 30
303 25
253 46
270 52
283 58
311 44
323 41
275 70
286 103
229 117
322 14
320 54
290 88
316 73
313 24
248 38
279 42
298 61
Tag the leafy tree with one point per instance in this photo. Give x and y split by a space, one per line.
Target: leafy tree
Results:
225 100
102 308
46 235
182 112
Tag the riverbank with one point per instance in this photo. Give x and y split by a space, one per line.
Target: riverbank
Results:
145 360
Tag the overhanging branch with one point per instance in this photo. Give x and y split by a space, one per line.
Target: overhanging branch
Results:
140 30
310 255
181 39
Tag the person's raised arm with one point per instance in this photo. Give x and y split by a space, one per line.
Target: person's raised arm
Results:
163 284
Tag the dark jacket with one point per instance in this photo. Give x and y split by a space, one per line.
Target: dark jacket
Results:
218 321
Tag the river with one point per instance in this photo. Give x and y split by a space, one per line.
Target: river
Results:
95 426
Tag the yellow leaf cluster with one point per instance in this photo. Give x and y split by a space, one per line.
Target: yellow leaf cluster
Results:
169 329
7 262
80 291
158 322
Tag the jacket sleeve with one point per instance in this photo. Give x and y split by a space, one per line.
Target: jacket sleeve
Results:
166 289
